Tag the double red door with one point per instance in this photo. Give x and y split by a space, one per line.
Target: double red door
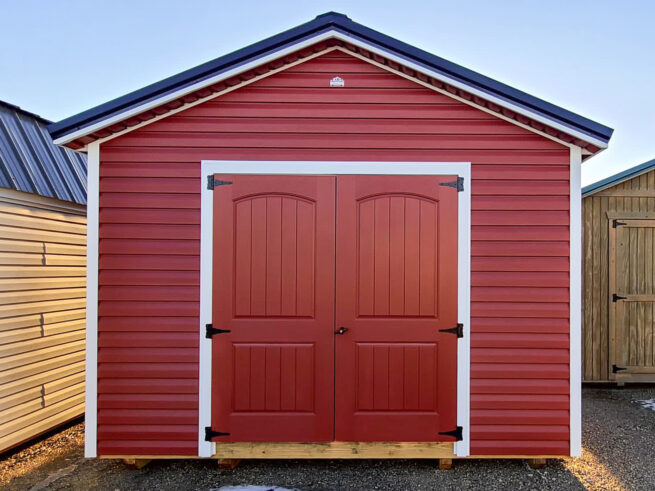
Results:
334 292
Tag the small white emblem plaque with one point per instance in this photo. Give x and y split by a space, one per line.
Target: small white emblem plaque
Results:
337 82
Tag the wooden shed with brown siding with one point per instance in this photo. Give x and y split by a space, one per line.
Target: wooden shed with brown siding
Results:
618 277
42 279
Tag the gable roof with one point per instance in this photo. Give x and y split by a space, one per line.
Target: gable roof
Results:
618 178
326 26
30 162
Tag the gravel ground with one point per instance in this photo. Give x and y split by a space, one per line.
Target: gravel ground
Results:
619 434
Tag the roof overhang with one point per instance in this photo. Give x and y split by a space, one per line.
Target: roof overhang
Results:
557 121
618 178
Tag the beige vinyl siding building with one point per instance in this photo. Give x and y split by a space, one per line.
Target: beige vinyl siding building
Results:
42 279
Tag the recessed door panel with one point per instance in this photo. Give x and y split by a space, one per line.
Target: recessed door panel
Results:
273 291
396 289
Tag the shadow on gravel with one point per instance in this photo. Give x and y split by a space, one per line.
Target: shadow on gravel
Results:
619 435
618 438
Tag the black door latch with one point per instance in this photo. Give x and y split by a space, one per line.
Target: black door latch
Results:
341 330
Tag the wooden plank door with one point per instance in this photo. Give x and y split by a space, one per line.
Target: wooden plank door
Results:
632 299
273 278
396 289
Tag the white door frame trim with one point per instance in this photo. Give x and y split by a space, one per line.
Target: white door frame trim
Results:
461 169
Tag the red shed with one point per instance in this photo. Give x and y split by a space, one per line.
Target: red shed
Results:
333 244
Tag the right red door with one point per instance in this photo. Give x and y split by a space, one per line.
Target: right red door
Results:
396 289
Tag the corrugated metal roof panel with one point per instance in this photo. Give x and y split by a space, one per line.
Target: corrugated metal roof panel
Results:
31 163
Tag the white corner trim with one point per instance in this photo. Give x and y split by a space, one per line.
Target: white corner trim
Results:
308 42
462 169
92 210
575 304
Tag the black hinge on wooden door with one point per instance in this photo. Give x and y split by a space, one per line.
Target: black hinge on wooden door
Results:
209 434
616 223
212 182
457 184
458 330
456 433
211 331
616 369
616 298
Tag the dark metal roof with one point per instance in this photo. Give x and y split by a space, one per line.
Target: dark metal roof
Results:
610 181
31 163
323 23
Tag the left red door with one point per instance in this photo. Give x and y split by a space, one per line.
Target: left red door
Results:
273 290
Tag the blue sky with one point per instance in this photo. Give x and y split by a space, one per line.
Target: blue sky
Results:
595 58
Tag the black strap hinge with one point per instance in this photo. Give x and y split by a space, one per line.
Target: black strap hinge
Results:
209 434
616 369
616 298
458 330
616 223
457 184
212 182
211 331
456 433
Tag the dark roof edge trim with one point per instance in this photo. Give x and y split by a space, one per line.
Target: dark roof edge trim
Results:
618 178
322 24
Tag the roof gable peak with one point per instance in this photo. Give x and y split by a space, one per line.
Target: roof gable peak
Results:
327 27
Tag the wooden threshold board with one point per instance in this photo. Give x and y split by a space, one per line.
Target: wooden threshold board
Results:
335 450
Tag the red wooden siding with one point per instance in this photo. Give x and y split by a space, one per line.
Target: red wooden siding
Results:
149 240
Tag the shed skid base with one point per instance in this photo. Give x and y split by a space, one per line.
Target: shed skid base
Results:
136 463
354 453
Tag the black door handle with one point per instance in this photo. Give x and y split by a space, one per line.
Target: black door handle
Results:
341 330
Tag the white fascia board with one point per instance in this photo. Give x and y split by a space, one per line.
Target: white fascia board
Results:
480 93
308 42
461 169
575 305
192 88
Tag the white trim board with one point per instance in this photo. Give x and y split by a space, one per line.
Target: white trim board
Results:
575 304
462 169
91 365
331 34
